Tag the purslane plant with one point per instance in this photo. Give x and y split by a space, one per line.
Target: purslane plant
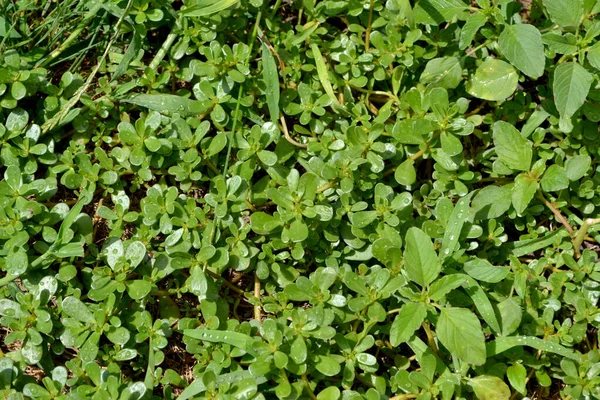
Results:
299 200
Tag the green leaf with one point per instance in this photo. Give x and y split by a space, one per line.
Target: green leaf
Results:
494 80
522 247
7 29
488 387
555 178
491 202
443 72
330 393
409 319
130 54
363 218
421 263
271 80
298 231
203 8
9 308
511 147
517 376
75 308
435 12
327 365
482 270
445 285
470 28
18 90
198 385
69 250
267 157
562 44
263 223
201 285
17 262
405 172
114 252
217 144
323 73
135 253
522 45
510 315
168 103
502 344
138 289
460 332
576 167
482 303
567 13
593 55
571 85
523 192
118 335
235 339
454 226
298 350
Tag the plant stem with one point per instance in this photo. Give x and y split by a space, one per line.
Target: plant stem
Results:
327 186
378 92
257 309
368 33
430 337
164 49
414 157
286 134
555 211
404 396
475 49
582 233
311 394
275 8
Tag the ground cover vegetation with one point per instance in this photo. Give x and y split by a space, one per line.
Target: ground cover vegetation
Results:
317 199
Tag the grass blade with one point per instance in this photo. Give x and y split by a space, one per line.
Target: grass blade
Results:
271 80
504 343
131 52
208 7
236 339
323 72
168 103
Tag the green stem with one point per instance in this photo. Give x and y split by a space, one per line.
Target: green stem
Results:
555 211
368 33
582 233
310 392
149 379
275 8
378 92
474 50
75 34
164 49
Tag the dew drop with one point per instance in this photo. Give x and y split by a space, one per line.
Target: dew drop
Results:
447 251
451 237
